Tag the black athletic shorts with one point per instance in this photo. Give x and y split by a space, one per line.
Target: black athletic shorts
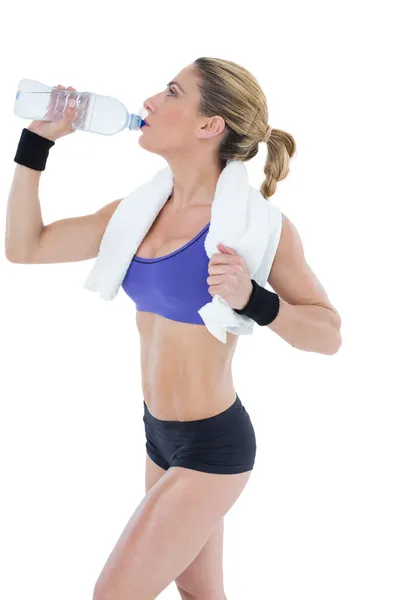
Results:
224 443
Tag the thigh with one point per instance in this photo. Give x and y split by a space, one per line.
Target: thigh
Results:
204 578
166 532
153 473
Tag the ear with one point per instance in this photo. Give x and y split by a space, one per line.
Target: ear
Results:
214 126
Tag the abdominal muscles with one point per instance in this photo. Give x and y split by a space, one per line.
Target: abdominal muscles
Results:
186 371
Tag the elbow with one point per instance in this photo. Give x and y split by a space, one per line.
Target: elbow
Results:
11 258
336 336
335 343
16 260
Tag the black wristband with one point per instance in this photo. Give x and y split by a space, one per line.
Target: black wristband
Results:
263 305
33 150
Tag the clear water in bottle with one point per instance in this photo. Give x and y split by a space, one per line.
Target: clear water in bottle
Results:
95 113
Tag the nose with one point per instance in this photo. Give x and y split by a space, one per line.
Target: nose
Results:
147 106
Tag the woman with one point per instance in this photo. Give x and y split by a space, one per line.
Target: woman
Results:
200 441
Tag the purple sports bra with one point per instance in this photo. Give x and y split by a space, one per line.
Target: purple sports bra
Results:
173 286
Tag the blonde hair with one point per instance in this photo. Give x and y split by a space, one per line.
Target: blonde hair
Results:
232 92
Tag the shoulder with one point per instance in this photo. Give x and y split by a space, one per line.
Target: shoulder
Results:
290 243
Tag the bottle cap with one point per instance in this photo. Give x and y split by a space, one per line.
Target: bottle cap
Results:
137 120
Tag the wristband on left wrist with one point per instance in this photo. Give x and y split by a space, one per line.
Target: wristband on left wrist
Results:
262 306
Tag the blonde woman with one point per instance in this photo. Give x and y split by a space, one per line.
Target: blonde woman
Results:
200 441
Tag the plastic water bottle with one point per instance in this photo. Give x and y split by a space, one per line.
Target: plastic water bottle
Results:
95 113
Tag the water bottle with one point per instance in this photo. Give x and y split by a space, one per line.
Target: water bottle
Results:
95 113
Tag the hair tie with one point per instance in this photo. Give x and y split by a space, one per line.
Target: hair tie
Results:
267 134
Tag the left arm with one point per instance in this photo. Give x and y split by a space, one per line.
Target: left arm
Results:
306 318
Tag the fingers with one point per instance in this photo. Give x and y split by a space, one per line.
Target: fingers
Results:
62 87
70 112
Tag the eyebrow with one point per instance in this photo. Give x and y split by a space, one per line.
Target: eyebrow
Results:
176 83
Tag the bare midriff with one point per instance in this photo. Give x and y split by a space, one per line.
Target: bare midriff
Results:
186 371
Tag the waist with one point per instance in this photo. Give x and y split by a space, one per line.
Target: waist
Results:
181 395
186 372
197 407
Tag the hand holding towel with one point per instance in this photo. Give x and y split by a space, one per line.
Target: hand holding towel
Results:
241 218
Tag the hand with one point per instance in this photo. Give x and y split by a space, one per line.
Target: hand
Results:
53 130
229 277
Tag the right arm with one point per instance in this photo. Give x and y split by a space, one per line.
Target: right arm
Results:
29 241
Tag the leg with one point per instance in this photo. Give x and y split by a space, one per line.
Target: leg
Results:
203 578
166 532
153 473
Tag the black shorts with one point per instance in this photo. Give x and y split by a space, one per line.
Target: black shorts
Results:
224 443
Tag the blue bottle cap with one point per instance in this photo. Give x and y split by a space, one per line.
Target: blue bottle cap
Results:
135 121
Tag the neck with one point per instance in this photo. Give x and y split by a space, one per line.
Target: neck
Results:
194 184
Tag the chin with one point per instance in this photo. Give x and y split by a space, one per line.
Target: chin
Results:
147 148
140 139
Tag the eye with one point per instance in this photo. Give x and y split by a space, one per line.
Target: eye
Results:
171 90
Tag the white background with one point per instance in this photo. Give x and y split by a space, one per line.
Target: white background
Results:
319 518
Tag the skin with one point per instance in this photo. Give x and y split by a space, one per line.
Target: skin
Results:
176 532
169 349
186 140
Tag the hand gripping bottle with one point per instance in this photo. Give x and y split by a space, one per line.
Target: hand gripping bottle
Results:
95 113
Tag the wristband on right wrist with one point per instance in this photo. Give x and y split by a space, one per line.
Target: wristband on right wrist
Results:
33 150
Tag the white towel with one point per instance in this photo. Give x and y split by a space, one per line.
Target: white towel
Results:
241 218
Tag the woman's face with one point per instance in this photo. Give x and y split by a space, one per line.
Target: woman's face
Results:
173 116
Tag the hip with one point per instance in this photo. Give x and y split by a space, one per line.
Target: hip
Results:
224 442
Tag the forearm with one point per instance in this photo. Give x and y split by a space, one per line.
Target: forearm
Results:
24 222
311 328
